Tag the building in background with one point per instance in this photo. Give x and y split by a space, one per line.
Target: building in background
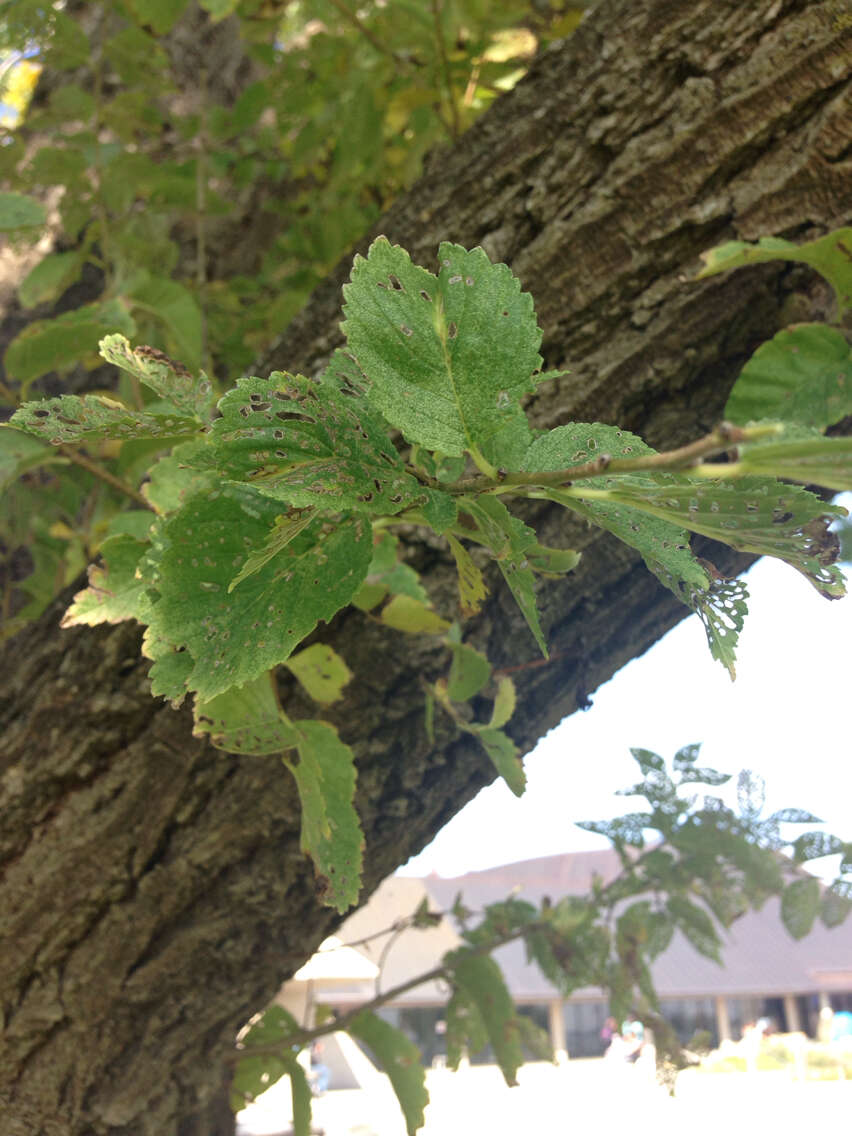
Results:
766 973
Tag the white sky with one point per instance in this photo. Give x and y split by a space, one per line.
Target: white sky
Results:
786 717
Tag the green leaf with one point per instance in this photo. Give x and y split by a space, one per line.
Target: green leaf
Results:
439 510
235 637
465 1027
813 845
321 671
169 675
836 903
159 15
480 980
664 546
469 672
387 575
504 754
175 308
687 755
472 590
815 461
800 905
245 719
802 375
510 540
219 9
401 1060
504 703
171 381
553 562
56 344
20 212
704 776
285 529
448 358
115 592
831 256
696 925
20 452
751 514
173 480
253 1075
331 832
648 761
309 443
50 277
71 419
406 614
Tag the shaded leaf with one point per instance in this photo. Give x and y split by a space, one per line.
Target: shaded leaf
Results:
20 452
831 256
175 308
56 344
331 831
50 277
469 672
696 925
401 1060
510 540
836 903
115 591
20 212
285 529
472 590
504 753
504 703
815 461
481 982
794 816
448 358
245 719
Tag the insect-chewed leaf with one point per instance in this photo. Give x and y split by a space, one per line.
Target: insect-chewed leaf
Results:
171 381
510 541
245 719
309 442
20 452
800 904
115 591
91 418
803 375
479 978
321 671
331 832
448 358
234 638
830 255
752 514
401 1060
472 590
171 669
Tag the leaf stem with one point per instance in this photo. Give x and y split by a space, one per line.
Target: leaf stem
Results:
99 471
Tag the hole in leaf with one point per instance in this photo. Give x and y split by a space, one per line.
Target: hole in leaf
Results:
425 296
396 283
469 281
455 280
405 330
289 415
452 330
41 413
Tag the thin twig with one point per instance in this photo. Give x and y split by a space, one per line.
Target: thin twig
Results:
455 129
97 470
357 22
200 217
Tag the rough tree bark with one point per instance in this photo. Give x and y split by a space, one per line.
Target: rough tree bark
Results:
153 891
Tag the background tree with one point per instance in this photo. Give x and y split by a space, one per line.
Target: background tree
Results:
156 891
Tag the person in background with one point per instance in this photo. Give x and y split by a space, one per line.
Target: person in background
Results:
633 1033
320 1076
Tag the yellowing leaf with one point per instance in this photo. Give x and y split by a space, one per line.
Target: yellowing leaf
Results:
321 671
404 613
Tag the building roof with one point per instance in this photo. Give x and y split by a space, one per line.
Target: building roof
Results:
760 957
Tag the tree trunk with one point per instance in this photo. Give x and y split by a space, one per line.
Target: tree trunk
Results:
153 890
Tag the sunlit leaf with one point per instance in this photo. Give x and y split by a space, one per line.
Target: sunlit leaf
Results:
404 613
115 592
321 671
171 381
